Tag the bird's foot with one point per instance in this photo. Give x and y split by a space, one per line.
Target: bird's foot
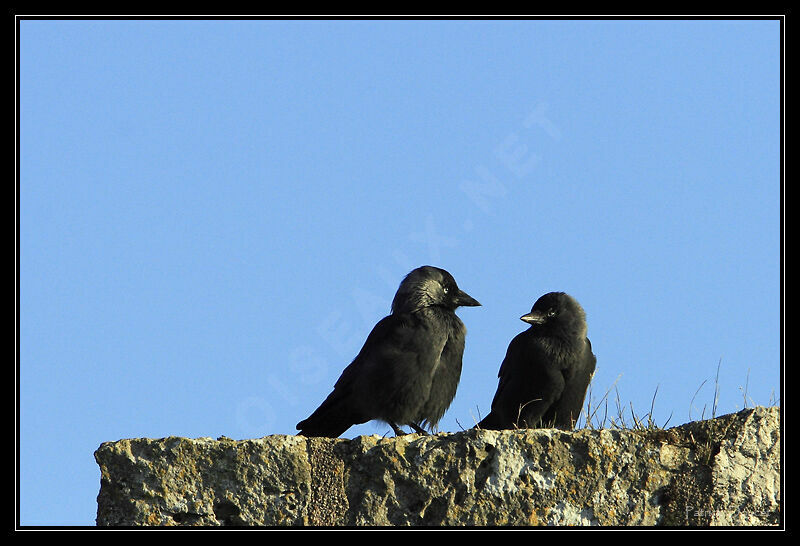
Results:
418 429
397 430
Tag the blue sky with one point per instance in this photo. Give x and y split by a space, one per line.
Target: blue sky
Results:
214 214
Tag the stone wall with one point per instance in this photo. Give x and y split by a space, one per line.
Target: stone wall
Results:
724 471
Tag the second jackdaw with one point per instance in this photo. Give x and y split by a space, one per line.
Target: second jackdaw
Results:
409 367
547 369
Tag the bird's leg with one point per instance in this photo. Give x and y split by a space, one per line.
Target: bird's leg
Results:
418 429
397 430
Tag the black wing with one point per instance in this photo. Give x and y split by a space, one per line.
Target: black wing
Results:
577 375
383 381
530 382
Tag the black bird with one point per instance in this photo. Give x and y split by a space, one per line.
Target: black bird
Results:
408 369
547 368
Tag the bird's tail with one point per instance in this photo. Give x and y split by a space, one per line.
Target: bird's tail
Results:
332 418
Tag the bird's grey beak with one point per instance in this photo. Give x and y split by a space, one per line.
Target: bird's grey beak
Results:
465 299
534 317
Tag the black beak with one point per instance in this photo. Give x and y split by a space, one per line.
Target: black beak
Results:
534 317
462 298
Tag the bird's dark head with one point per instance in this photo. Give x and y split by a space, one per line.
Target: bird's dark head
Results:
558 313
426 286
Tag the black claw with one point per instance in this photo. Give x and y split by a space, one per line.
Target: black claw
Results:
397 430
418 429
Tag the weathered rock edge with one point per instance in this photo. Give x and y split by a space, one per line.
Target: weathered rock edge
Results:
724 471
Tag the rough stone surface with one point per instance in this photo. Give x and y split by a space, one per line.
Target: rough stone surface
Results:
724 471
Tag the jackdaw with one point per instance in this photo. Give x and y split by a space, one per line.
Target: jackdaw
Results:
408 369
547 369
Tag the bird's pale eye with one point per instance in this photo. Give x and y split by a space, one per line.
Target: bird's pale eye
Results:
552 313
446 290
